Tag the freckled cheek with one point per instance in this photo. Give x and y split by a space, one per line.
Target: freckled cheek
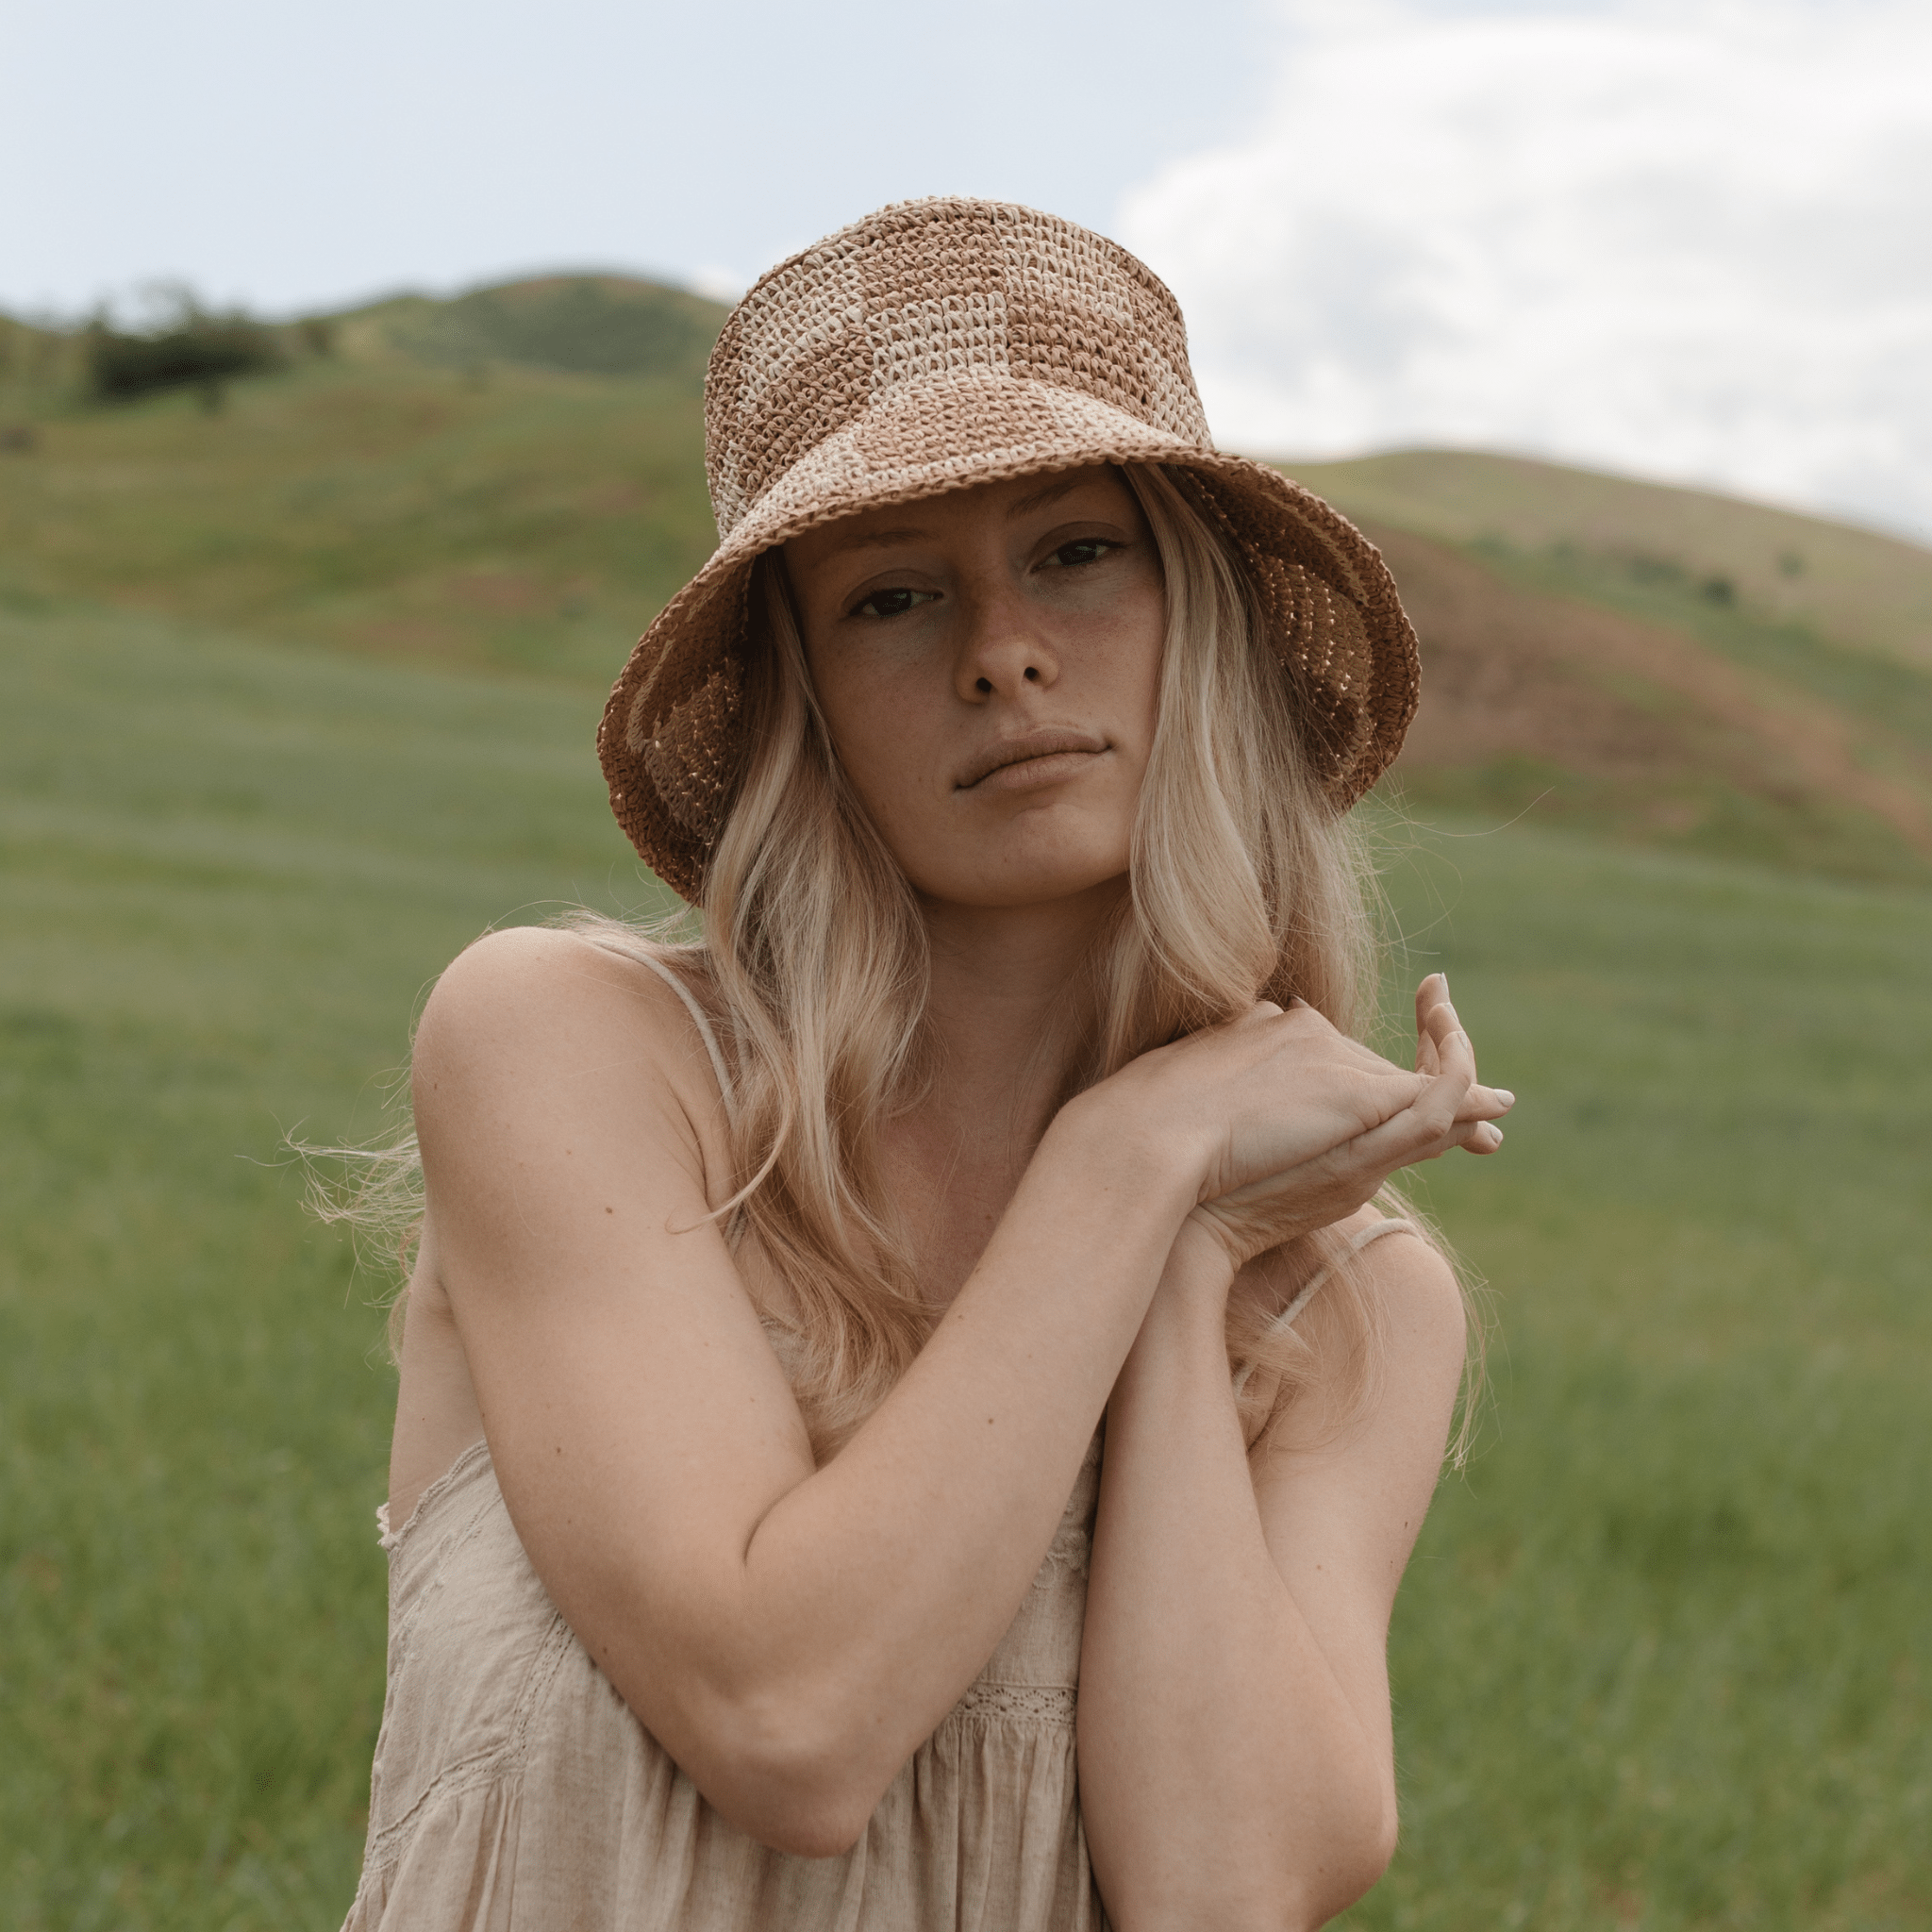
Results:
1120 666
889 745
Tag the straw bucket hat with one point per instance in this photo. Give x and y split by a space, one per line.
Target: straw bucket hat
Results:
939 345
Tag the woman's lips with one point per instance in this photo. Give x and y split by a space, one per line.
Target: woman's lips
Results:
1025 775
1036 757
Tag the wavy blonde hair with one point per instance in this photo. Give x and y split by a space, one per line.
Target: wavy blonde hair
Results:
813 960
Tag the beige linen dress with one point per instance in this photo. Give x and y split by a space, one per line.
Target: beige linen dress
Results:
514 1791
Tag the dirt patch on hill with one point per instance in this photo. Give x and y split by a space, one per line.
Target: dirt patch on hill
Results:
1506 673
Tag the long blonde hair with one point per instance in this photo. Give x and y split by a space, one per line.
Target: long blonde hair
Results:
813 959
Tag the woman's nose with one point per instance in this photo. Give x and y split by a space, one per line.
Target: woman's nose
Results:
1005 649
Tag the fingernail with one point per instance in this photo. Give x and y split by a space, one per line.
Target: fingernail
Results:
1503 1094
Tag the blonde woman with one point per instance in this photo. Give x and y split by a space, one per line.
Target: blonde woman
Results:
910 1414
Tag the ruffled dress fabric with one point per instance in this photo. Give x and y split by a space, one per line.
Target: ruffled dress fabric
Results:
515 1791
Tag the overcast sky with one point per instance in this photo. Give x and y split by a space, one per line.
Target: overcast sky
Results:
1692 241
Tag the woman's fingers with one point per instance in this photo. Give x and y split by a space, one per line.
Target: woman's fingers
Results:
1333 1184
1435 1124
1372 1116
1435 1012
1381 1119
1455 1049
1450 1110
1486 1104
1427 995
1436 1021
1435 1016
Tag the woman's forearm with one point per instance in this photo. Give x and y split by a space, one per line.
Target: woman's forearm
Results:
1225 1777
871 1592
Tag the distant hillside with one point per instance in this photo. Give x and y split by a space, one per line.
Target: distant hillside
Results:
1853 586
1709 730
514 478
1664 664
587 325
39 371
589 321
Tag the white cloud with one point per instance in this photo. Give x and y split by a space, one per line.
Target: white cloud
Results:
1690 241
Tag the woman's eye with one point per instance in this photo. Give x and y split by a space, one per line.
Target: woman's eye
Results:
1082 550
892 603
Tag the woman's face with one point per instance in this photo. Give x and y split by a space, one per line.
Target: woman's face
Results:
989 664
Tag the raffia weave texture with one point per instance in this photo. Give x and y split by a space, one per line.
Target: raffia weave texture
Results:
939 345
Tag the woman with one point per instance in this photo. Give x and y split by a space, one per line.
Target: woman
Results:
753 1529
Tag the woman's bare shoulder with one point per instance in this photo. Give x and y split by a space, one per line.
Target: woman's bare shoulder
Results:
1408 1310
1418 1301
1273 1282
1414 1282
538 1003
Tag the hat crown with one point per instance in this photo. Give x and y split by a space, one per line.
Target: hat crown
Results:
926 296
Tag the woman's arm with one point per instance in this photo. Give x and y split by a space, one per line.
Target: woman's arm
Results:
1237 1768
791 1634
788 1635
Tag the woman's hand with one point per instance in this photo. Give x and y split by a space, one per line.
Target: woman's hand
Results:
1301 1125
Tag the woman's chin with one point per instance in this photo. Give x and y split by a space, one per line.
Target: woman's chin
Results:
1020 885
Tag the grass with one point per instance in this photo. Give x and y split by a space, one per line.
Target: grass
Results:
1690 810
226 874
1661 1660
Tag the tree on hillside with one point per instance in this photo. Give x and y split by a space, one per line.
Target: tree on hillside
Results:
185 347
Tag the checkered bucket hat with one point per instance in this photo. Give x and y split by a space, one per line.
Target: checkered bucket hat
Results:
939 345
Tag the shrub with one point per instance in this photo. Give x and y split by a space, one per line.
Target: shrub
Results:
192 351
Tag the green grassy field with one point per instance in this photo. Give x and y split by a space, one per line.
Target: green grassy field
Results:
226 874
1663 1659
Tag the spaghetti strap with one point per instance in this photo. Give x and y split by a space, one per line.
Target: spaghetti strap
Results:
704 1027
1373 1232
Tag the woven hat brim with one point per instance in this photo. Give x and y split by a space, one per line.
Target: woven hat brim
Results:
669 741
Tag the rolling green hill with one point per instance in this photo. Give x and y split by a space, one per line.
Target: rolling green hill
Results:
1853 587
587 324
1555 685
402 495
513 480
1664 666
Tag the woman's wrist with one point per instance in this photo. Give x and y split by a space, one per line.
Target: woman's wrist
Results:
1200 1272
1134 1157
1184 1333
